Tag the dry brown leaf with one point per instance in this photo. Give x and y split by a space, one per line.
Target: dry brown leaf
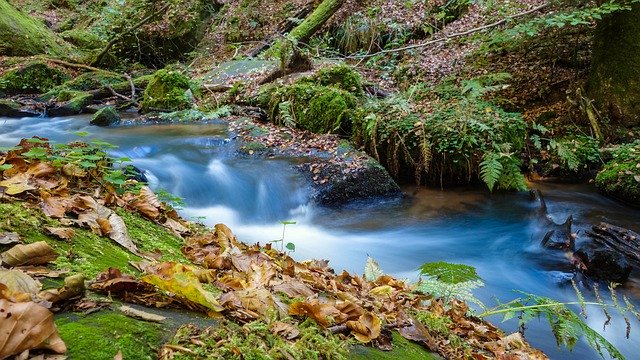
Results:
63 233
293 288
285 330
17 281
147 203
17 184
320 312
26 326
9 238
53 206
31 254
366 328
175 226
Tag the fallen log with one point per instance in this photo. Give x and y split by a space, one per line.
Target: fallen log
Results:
623 241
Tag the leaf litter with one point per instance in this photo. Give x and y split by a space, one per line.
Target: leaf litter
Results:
257 288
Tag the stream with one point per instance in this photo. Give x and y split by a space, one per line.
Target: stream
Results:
498 234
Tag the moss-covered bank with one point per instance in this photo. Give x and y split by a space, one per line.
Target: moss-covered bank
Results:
101 335
21 35
620 177
87 252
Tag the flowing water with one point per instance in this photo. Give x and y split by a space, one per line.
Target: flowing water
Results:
498 234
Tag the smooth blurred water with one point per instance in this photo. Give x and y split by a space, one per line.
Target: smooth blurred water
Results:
499 234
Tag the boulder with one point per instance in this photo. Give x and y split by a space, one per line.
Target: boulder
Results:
363 183
620 177
168 90
70 103
106 116
10 108
603 263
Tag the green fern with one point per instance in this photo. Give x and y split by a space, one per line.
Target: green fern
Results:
286 115
490 169
511 177
566 326
449 273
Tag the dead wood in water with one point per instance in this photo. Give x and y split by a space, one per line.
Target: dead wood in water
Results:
623 241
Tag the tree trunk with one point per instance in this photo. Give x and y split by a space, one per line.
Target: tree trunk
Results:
314 22
614 83
21 35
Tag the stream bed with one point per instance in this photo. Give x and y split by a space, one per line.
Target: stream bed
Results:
499 234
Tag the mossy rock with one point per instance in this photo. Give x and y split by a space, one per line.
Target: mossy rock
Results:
341 76
168 90
106 116
11 108
33 77
620 177
71 103
101 335
317 108
83 39
22 35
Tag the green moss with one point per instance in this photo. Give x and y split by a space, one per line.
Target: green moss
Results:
73 101
320 109
99 336
106 116
87 252
22 35
83 39
254 341
31 77
167 90
620 177
342 77
402 349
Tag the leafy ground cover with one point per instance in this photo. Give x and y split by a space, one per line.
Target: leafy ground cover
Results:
271 306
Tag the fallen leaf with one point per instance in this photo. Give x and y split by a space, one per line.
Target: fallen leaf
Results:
18 282
17 184
31 254
285 330
320 312
366 328
9 238
26 326
180 280
73 286
61 232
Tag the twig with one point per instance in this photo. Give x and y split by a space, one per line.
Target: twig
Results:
80 66
452 36
120 95
133 87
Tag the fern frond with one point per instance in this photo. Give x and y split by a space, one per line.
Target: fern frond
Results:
449 273
490 169
583 307
447 291
566 326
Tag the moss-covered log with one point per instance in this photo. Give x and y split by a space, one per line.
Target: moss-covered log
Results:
21 35
315 21
614 82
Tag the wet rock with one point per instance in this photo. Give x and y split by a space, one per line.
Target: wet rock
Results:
10 108
367 182
70 103
560 236
106 116
603 263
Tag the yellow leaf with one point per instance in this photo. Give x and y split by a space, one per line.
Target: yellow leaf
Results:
180 280
384 290
17 184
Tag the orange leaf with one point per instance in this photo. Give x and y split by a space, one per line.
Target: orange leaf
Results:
366 328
